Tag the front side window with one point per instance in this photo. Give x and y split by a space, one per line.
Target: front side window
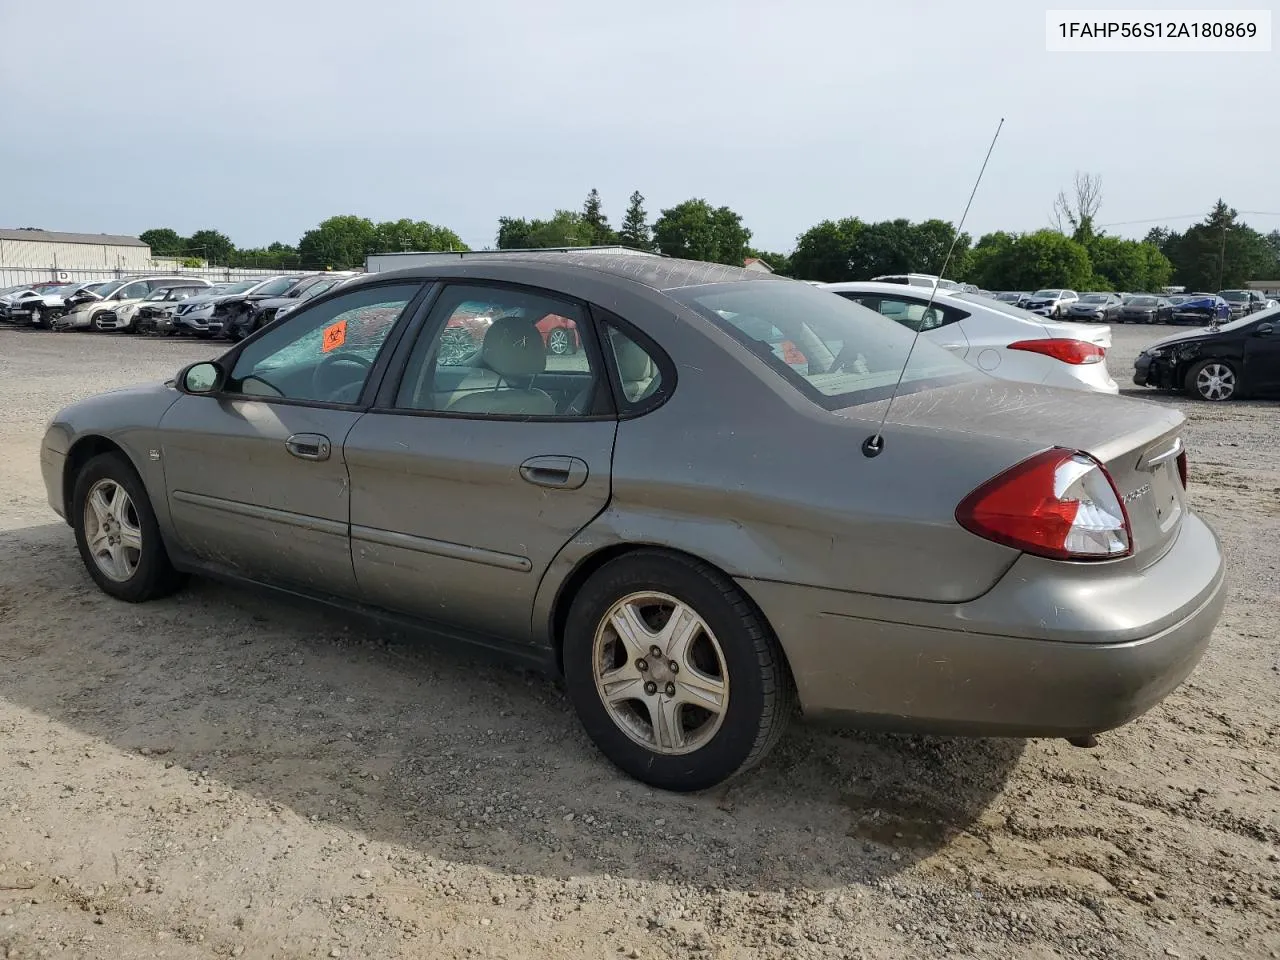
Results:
323 355
837 352
916 315
500 351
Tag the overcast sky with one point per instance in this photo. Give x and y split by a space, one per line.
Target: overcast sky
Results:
262 118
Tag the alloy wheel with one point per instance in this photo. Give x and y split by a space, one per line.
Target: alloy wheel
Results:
112 530
1216 381
559 342
661 673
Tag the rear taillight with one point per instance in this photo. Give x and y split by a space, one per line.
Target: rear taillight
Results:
1068 351
1058 504
1182 468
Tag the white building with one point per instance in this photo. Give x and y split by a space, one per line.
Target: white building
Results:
45 250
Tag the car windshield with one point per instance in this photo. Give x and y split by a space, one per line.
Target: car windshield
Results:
1142 302
836 352
1095 298
158 294
1234 294
272 288
1047 293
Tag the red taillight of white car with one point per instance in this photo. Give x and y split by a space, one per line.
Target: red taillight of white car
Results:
1068 351
1058 504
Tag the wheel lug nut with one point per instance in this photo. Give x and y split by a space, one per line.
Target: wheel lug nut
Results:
655 652
673 667
671 690
642 665
651 688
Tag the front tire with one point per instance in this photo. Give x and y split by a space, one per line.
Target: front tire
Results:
675 675
117 532
1213 380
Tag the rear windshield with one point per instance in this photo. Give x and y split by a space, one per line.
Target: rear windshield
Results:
836 352
1142 302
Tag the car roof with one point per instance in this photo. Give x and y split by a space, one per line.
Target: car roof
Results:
657 273
896 289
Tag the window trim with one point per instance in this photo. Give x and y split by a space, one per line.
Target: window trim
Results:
376 373
384 402
603 319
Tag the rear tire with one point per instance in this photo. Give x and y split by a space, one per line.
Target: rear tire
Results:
1213 380
652 729
117 532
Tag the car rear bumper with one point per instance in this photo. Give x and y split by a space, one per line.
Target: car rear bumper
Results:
1052 650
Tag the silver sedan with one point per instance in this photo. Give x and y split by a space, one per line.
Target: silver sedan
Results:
695 518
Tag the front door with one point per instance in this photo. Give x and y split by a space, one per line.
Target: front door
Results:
256 481
1262 355
485 463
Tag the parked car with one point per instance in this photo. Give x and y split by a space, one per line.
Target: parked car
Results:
696 534
196 314
997 338
1240 358
918 280
161 303
1243 302
1202 308
104 312
1146 309
38 305
262 312
1050 303
87 292
1095 307
229 315
1011 296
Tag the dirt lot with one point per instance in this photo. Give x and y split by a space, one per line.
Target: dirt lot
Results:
219 775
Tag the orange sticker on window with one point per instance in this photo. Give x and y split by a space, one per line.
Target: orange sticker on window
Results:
334 336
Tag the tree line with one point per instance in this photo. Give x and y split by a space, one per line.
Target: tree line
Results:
1222 251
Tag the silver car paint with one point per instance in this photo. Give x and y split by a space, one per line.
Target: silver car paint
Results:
737 468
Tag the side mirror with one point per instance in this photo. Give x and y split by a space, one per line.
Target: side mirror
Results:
1265 330
201 378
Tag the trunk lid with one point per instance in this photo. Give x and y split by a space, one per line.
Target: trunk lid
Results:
1097 334
1136 440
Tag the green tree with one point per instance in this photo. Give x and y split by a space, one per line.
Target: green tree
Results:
824 252
595 221
340 243
988 261
163 242
694 230
513 233
635 231
213 246
1220 253
395 236
1046 258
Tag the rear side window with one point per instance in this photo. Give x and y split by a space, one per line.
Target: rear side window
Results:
914 314
836 352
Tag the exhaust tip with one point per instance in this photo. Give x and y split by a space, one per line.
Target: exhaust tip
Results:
1087 742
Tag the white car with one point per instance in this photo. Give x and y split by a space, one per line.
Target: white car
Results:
997 338
1051 303
918 280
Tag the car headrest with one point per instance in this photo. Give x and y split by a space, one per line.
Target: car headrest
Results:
633 362
513 348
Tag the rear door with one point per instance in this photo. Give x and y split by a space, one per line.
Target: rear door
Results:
478 465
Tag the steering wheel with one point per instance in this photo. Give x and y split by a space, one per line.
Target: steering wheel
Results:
340 392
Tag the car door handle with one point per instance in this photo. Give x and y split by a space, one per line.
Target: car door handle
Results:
567 473
308 446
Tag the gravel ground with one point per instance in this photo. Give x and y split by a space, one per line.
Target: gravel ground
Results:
220 775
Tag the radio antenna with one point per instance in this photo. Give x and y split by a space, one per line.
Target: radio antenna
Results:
873 446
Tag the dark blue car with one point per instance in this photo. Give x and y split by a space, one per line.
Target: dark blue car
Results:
1201 308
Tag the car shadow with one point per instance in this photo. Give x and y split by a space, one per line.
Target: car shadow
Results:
449 752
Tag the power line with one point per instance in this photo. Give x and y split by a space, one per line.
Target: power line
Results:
1185 216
